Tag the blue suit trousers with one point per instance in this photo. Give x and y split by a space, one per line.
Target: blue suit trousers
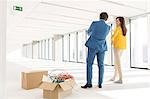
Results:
100 60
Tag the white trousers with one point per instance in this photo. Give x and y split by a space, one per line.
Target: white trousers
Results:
117 60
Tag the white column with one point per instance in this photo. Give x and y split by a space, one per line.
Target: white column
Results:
2 46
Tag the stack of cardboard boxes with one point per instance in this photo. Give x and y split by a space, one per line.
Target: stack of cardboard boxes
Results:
33 79
57 90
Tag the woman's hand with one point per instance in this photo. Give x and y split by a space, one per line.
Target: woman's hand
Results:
112 42
112 31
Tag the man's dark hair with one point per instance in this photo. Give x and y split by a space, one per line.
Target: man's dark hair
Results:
104 16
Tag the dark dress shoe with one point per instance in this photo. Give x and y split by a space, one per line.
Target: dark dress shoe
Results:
99 86
87 86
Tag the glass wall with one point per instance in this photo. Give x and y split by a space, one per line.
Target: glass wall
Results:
39 49
66 47
73 47
50 54
35 49
126 54
46 48
139 42
29 50
81 51
43 49
24 50
109 54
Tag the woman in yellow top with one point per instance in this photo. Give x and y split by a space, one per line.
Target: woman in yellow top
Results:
119 42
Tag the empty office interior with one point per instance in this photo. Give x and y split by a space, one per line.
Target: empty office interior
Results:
51 35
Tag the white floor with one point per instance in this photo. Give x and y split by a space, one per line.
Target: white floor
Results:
136 82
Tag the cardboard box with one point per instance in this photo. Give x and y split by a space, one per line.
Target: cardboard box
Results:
32 79
57 90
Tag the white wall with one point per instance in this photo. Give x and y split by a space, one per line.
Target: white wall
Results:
2 46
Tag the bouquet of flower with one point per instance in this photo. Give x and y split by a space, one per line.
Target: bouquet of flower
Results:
64 76
60 77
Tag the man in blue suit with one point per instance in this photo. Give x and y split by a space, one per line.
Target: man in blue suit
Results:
96 46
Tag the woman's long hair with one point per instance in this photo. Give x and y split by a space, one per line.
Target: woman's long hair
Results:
123 26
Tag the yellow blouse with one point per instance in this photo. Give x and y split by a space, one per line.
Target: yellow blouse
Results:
118 39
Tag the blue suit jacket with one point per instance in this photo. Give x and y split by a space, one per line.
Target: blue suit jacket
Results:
98 32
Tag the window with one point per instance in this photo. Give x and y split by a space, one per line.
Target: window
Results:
81 47
29 50
126 54
139 42
66 47
35 49
73 47
43 49
24 50
46 48
50 56
40 49
109 53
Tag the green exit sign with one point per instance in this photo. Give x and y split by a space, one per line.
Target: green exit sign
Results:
18 8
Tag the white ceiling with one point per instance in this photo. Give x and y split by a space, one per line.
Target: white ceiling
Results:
43 18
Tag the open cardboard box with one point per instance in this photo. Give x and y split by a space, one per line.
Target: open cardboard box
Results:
57 90
32 79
